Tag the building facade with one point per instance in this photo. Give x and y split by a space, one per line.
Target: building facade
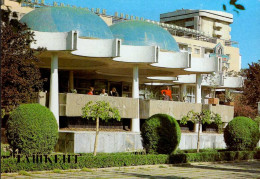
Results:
87 48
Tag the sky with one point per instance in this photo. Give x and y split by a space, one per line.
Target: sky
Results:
245 28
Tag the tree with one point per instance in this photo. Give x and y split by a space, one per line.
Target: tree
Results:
2 113
99 110
242 109
251 89
20 76
204 117
235 5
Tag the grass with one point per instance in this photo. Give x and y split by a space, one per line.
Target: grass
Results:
57 171
71 170
22 172
86 170
161 166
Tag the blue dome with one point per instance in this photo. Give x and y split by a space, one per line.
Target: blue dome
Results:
141 33
65 19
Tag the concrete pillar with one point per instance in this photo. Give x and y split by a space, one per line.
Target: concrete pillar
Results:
135 122
183 91
71 81
54 87
198 88
196 127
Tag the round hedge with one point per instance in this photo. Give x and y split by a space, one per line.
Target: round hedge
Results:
161 134
32 129
241 133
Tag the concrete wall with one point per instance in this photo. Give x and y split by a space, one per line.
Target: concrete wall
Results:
226 112
207 141
179 109
128 107
72 104
173 108
111 142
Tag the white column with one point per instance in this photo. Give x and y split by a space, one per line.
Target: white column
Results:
71 81
135 122
198 88
54 87
183 91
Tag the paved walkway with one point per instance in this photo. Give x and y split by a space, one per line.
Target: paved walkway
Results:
196 170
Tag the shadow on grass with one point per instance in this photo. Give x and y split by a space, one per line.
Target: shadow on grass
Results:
148 176
253 167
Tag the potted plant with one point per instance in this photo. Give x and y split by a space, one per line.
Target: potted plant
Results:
213 80
229 98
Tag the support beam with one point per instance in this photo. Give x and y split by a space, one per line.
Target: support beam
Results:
71 81
54 87
135 122
183 92
198 88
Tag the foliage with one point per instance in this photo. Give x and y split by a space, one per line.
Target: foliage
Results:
251 89
204 117
100 109
215 156
229 97
257 119
32 129
235 5
161 134
213 80
73 91
20 85
125 159
2 113
5 152
85 161
241 133
242 109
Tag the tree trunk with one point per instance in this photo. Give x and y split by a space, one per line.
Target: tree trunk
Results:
96 139
198 143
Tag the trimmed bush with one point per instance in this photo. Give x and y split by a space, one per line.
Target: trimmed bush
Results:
241 133
85 161
122 159
161 134
32 129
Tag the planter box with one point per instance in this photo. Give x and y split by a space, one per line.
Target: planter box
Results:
230 103
213 101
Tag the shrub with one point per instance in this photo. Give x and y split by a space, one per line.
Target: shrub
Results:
241 133
32 129
85 161
122 159
161 134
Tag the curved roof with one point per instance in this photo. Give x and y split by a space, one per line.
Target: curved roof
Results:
141 33
65 19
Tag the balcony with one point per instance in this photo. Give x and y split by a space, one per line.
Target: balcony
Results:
71 105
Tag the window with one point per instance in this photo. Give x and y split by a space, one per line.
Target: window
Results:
191 94
197 51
